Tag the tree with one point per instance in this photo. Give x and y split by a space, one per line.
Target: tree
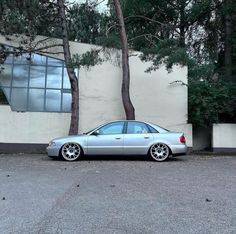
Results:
128 106
70 70
198 34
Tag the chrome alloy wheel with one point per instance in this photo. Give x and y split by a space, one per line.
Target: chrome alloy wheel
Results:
159 152
70 151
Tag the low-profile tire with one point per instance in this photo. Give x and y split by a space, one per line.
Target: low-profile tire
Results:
71 151
159 152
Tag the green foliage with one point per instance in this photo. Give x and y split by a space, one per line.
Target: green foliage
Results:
210 102
87 60
29 17
112 41
165 52
84 23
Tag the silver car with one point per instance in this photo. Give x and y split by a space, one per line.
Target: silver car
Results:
121 138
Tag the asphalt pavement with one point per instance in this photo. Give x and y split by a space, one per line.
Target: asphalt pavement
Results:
188 194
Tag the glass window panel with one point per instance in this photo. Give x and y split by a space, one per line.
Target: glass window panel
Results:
19 99
37 76
36 100
137 128
21 59
55 62
66 103
38 60
20 75
53 100
54 77
66 81
112 129
5 75
9 59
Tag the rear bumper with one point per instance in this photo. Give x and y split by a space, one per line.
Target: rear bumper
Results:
178 150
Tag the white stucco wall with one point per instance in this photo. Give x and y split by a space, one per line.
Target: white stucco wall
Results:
154 99
224 136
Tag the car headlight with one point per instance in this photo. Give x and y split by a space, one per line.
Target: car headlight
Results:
52 143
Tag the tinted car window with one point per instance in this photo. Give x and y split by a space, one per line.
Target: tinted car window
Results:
137 128
152 130
112 128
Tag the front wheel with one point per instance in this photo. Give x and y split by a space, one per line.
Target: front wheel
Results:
159 152
70 151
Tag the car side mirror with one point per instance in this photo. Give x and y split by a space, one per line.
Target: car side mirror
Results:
96 133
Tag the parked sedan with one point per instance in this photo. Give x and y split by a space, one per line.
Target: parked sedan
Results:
121 138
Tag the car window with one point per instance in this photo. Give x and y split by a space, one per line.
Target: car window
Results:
112 128
152 130
158 128
137 128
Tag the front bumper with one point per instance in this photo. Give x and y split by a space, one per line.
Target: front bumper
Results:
53 151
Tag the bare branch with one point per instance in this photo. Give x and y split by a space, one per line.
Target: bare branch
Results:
44 48
145 35
112 26
147 18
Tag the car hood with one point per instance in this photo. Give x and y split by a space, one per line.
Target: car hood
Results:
65 138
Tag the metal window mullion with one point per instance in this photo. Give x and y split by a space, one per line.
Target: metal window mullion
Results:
45 85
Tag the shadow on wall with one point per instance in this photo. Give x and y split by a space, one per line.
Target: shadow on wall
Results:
202 138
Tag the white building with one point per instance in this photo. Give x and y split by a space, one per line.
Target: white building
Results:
38 93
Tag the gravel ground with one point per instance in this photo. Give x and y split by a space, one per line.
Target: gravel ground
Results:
189 194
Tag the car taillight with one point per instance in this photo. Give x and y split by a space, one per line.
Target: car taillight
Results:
182 139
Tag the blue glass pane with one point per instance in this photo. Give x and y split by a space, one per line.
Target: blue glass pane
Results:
54 77
38 60
66 81
20 76
53 100
9 59
36 100
19 99
55 62
37 76
5 75
22 59
66 103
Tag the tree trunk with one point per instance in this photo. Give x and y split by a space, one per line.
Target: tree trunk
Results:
182 23
128 106
74 124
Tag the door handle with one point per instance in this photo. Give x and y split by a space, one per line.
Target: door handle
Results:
146 137
118 138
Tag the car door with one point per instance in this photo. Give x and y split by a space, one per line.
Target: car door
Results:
137 138
109 139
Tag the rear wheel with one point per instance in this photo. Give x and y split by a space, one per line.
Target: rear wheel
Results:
159 152
71 151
